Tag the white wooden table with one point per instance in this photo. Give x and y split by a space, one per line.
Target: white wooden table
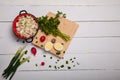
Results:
96 44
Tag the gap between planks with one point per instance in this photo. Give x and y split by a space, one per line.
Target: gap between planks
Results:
87 5
80 52
108 21
7 21
102 69
99 37
63 70
1 37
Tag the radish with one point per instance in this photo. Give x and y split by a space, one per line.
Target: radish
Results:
33 50
42 38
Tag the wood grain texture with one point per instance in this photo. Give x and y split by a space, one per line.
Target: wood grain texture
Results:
86 61
78 75
86 30
90 37
60 2
74 13
96 43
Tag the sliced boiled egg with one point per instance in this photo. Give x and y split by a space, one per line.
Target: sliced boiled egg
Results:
48 46
58 46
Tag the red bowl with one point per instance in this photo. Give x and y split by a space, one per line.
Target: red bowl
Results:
17 19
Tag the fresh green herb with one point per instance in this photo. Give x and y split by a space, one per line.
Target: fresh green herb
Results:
28 61
55 67
62 66
23 58
60 14
50 25
26 53
71 59
73 65
58 53
23 41
66 62
41 45
16 61
62 43
78 63
58 60
36 42
44 55
64 15
74 58
51 57
58 67
63 51
50 66
36 65
69 67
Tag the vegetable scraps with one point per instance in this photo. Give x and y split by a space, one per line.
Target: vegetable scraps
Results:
69 63
50 25
16 61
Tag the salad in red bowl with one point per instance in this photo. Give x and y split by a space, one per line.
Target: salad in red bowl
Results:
25 26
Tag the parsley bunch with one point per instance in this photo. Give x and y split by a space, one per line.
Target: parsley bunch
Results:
50 25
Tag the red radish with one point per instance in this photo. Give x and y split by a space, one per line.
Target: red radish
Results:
42 38
42 63
33 50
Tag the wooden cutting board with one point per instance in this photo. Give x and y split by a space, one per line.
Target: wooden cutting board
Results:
66 26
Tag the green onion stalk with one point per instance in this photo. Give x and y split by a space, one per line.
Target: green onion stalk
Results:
15 62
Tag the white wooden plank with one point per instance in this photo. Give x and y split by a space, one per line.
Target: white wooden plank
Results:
74 13
85 30
90 44
69 75
98 29
60 2
95 45
86 61
78 45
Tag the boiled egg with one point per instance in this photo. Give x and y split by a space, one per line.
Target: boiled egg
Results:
48 46
58 46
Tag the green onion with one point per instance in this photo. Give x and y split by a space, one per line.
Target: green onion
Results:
62 66
58 53
66 62
16 61
69 67
13 59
